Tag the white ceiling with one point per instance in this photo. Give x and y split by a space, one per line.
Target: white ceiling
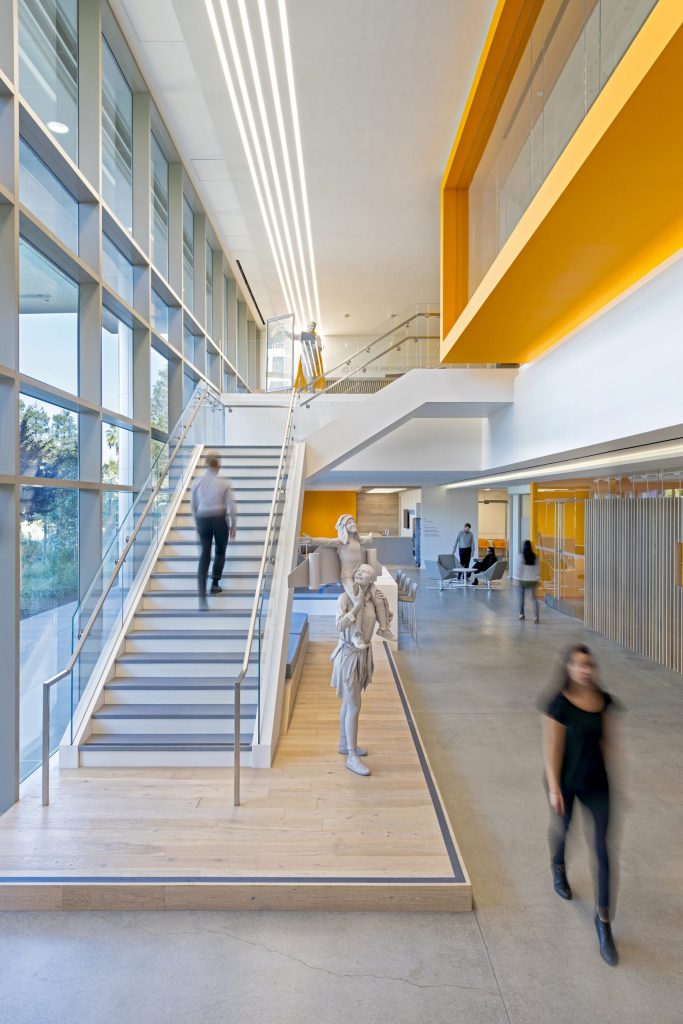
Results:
380 87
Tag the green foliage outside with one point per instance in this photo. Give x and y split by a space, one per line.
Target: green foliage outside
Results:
49 515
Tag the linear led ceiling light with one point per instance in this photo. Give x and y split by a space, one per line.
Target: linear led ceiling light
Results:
256 78
646 454
299 150
272 72
222 56
384 490
244 92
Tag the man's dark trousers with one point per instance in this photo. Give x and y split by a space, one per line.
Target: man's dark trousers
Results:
464 555
211 528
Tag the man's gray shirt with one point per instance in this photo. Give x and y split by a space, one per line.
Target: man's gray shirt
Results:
465 539
212 496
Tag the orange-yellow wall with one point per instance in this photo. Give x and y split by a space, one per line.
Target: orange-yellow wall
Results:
322 510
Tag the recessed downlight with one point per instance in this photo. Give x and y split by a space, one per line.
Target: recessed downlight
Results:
58 127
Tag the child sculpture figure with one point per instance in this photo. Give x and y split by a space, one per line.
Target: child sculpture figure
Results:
352 663
350 553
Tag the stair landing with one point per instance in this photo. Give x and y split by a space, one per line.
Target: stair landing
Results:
309 834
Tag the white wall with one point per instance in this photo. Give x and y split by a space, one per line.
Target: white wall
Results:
432 444
255 419
444 514
617 377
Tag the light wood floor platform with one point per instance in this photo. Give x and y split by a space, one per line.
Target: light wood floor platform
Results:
309 835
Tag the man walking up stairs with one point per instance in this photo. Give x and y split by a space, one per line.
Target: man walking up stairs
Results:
215 513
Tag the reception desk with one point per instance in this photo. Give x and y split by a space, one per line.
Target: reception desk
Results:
393 550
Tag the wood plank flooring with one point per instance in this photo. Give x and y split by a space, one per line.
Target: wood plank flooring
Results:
309 835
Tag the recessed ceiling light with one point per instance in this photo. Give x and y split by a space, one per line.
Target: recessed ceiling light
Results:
384 490
58 127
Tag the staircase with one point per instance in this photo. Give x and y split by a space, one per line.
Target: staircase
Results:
169 700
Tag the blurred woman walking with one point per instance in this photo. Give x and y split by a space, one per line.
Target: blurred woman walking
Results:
575 732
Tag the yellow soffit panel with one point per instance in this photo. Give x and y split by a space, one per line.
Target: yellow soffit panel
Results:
609 212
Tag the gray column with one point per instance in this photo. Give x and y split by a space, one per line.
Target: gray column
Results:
175 228
89 90
200 268
142 173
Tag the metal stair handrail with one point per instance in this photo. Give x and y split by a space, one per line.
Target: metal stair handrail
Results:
85 632
257 598
373 358
427 314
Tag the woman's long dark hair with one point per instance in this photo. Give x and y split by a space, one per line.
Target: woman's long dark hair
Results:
528 553
561 678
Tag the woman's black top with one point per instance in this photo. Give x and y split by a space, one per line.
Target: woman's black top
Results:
583 764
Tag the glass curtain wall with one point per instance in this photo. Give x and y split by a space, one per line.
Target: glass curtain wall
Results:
117 139
573 50
159 209
77 429
188 254
48 66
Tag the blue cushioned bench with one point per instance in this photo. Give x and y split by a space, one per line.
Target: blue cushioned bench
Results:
296 655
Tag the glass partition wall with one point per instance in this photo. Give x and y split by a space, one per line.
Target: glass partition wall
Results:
94 306
573 49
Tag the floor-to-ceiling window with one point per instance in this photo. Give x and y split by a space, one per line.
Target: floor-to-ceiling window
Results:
117 139
98 376
48 66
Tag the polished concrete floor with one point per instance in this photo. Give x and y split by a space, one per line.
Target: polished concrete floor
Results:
523 957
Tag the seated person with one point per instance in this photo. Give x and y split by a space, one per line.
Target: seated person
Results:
482 564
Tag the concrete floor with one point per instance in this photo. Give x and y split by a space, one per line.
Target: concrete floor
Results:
523 957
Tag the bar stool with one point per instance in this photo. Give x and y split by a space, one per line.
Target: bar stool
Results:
406 608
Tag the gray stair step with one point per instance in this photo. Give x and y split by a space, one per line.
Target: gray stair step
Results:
188 634
181 658
161 741
193 575
176 683
164 711
194 613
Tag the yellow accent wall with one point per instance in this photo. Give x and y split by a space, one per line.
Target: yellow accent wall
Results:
322 510
609 212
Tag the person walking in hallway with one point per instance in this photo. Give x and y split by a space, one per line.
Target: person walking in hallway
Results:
464 548
213 505
574 743
527 575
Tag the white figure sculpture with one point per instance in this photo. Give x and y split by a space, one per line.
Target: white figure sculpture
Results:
352 662
350 550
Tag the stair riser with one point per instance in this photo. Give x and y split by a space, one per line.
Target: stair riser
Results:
166 600
167 645
252 534
228 583
161 759
257 522
167 726
244 507
192 695
234 554
193 669
203 623
266 474
188 563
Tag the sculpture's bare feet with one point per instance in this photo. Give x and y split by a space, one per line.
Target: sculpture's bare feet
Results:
355 765
386 634
358 642
360 752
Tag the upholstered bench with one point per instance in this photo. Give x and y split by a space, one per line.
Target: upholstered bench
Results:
296 655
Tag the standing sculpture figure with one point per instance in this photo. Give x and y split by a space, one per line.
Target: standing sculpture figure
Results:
352 662
350 551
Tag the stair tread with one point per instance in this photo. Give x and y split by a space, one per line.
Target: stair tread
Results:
164 741
181 657
193 613
165 711
174 683
187 634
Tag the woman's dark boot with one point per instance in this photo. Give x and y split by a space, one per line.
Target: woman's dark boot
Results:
608 951
560 883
